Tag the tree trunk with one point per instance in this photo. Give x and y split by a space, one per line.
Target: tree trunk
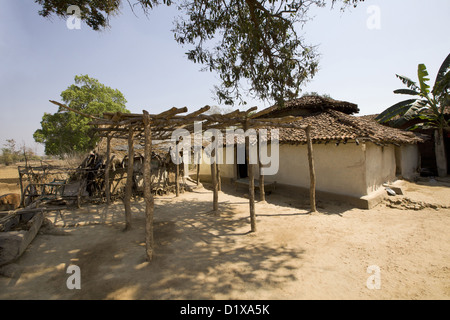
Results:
148 196
312 173
129 183
439 147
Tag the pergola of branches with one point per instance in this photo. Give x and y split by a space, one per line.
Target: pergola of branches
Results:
148 127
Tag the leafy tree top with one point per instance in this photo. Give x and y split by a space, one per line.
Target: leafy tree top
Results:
67 132
253 45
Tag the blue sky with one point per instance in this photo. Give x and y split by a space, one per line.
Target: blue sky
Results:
139 56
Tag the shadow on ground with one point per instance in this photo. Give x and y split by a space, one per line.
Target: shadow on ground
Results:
198 255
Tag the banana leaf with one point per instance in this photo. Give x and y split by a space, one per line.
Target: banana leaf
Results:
422 74
407 91
397 109
408 82
443 70
413 112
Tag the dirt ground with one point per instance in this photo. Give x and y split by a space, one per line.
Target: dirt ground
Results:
199 255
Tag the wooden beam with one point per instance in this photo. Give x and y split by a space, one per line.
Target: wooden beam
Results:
198 112
250 110
169 113
148 196
263 112
75 111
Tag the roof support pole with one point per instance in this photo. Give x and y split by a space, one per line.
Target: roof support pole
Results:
312 173
214 180
148 196
262 194
129 183
251 178
219 182
198 169
177 172
107 165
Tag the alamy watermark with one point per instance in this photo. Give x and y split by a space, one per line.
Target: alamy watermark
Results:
73 22
208 147
373 22
374 281
74 280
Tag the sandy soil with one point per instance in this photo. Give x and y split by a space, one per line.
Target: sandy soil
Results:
9 181
293 254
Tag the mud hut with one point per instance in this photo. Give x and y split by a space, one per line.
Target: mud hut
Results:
353 156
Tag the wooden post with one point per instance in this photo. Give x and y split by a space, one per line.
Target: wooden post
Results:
262 194
81 189
214 182
129 183
219 182
198 169
312 173
251 178
177 171
107 165
148 196
22 200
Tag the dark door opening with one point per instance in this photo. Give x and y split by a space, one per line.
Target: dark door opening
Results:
242 170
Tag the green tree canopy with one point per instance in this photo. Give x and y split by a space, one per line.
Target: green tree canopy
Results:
67 132
253 45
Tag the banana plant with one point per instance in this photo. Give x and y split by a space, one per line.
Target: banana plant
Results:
427 109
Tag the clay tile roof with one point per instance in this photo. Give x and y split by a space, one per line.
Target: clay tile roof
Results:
332 125
332 120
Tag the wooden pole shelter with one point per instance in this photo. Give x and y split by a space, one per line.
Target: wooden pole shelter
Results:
149 127
148 196
312 173
129 183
